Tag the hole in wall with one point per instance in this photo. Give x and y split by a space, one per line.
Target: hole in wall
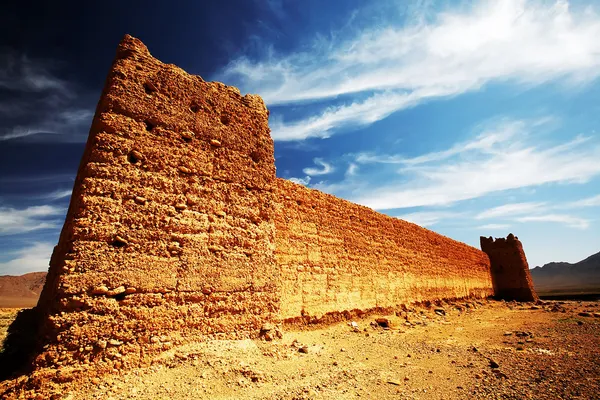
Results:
149 125
255 156
120 296
133 157
119 243
149 88
225 120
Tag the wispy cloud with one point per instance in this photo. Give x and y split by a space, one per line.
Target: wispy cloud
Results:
569 220
16 221
325 168
494 227
500 158
28 259
510 210
68 125
23 74
301 181
593 201
429 218
397 66
39 105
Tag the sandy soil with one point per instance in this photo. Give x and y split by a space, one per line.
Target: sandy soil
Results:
488 350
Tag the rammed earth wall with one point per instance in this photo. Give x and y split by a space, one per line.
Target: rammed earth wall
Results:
336 256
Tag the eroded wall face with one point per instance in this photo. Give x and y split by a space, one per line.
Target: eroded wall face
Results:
169 234
336 256
510 270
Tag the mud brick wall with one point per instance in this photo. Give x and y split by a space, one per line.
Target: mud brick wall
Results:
510 270
337 256
169 234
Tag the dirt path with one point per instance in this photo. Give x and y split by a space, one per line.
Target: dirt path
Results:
547 351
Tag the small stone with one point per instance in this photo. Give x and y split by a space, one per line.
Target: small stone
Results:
494 364
267 326
215 143
116 291
136 155
383 322
100 290
440 311
187 135
140 200
101 344
596 315
221 214
585 314
184 169
303 349
394 382
180 206
507 333
115 342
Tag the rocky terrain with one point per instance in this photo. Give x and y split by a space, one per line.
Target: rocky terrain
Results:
564 278
21 291
477 349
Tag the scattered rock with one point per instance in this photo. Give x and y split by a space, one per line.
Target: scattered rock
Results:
494 364
303 349
585 314
440 311
215 142
383 322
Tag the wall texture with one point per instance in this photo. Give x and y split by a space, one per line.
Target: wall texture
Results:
178 229
510 271
335 256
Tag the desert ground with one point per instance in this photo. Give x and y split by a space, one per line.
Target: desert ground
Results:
463 350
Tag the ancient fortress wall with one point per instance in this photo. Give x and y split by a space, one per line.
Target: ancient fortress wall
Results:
338 256
178 229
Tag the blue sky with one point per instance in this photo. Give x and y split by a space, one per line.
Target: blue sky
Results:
467 117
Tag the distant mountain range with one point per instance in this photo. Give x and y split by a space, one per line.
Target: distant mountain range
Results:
554 277
21 291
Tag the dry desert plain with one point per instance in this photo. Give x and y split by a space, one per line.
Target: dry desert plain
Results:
462 350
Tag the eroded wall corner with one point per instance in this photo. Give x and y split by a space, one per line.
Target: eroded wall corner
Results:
509 267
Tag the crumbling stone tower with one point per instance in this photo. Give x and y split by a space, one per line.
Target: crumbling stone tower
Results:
510 271
169 233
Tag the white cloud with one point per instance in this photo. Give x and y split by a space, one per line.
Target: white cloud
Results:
325 169
509 210
498 159
28 259
352 170
428 218
301 181
455 51
568 220
14 221
21 73
494 227
593 201
68 125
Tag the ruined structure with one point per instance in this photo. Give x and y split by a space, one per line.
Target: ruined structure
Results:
178 228
510 271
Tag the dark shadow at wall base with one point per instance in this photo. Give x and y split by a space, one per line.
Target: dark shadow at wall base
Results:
20 345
